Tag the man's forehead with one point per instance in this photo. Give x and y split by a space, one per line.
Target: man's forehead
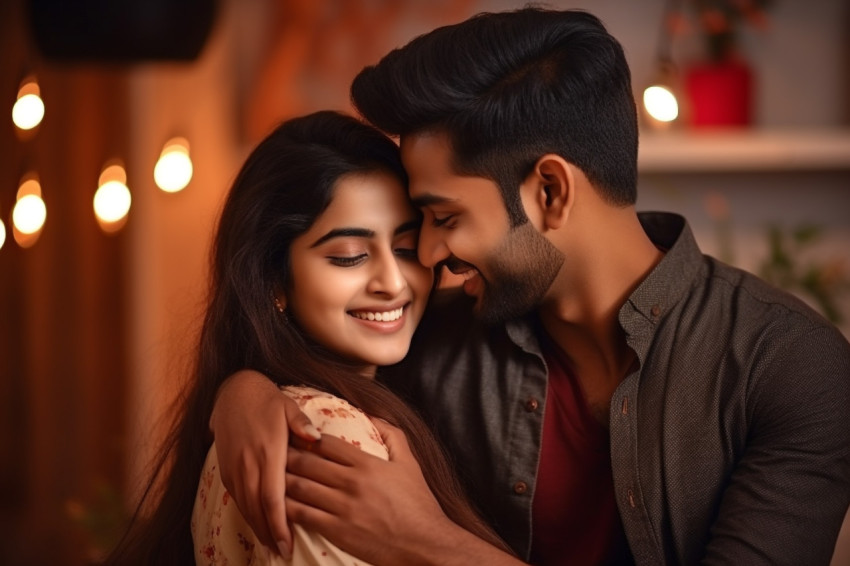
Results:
425 142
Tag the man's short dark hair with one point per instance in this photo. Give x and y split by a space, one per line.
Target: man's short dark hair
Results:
509 87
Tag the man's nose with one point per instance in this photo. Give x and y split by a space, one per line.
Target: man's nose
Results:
432 249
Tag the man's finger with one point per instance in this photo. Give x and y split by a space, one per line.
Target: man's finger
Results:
315 495
299 423
245 494
272 493
309 517
314 466
394 439
336 450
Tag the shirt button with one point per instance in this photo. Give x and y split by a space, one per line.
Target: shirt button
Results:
520 487
531 404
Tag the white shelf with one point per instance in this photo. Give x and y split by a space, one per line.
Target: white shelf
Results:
682 151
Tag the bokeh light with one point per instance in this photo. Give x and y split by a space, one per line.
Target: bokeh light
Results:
173 171
112 199
661 103
28 110
29 214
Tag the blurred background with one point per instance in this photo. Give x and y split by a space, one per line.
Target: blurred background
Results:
98 311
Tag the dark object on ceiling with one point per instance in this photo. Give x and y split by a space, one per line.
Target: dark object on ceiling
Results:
120 31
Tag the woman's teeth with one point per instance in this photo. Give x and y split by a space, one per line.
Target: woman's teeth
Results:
387 316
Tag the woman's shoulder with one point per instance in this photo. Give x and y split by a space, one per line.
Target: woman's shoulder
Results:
335 416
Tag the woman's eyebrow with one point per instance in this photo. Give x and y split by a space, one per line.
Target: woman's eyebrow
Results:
345 233
364 232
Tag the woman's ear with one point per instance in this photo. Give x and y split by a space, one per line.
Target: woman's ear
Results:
279 299
549 191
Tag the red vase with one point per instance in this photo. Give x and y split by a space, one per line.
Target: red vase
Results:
720 93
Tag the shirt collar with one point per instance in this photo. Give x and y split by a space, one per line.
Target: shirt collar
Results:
668 282
665 285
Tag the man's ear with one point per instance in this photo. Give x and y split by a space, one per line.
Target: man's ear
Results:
550 188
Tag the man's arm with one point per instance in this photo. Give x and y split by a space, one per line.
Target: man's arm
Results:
380 511
250 422
788 494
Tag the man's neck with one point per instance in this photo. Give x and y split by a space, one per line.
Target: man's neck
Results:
607 259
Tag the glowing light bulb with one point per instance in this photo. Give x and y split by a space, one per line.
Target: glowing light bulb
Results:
173 171
28 110
660 103
29 214
112 201
2 234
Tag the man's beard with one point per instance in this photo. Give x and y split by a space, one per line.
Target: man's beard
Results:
519 273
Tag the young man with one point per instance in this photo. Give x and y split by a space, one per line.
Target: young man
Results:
609 394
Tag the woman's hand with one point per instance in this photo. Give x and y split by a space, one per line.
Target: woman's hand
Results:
250 422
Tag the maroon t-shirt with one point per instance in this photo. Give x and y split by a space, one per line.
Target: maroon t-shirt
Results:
574 516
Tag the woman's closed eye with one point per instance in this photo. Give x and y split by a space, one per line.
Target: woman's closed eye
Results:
404 245
406 253
348 261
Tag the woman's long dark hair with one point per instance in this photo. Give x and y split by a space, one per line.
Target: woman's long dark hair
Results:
285 184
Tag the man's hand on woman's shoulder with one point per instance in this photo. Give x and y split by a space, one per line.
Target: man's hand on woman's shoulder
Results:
250 422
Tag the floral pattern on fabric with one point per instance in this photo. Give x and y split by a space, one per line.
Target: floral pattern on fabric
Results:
220 533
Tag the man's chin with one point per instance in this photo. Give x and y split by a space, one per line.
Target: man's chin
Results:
497 307
491 314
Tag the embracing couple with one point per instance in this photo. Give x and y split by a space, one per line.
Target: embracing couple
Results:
597 391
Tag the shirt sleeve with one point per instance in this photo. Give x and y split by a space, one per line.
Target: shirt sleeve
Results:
788 494
221 535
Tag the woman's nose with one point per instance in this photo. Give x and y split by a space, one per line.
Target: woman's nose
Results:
388 278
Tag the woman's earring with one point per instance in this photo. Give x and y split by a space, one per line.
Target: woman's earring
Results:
278 305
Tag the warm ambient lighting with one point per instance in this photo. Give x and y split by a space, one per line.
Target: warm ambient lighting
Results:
660 103
112 199
2 234
173 171
28 110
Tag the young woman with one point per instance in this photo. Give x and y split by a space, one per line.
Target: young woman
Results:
315 282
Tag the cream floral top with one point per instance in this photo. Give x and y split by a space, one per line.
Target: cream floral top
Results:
221 535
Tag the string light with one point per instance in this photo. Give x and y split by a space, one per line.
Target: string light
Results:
28 110
112 199
29 213
173 170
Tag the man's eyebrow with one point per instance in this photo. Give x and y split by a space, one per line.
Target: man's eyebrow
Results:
407 227
429 199
344 233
